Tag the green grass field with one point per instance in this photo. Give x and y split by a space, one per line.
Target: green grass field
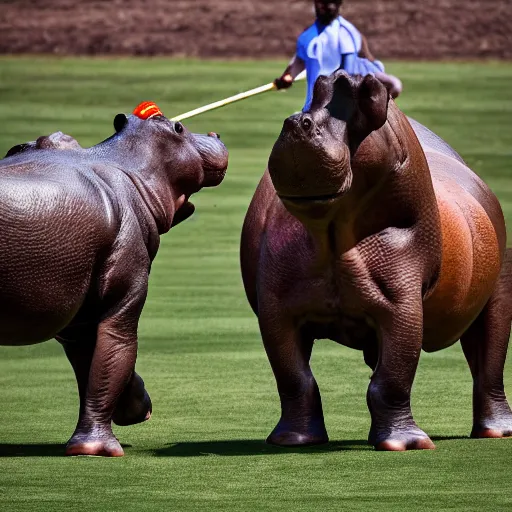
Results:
214 396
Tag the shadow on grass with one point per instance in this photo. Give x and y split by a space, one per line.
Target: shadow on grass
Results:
240 447
449 438
252 447
36 450
32 450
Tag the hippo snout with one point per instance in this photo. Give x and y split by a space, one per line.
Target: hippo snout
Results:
298 126
307 162
215 158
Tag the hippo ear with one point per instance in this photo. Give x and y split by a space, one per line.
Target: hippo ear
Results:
20 148
373 102
343 100
322 93
370 110
120 122
44 142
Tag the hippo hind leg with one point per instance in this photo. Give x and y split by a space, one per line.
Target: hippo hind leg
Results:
485 346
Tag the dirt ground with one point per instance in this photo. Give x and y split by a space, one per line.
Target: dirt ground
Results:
414 29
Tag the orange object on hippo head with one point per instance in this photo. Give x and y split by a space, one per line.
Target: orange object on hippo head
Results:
147 109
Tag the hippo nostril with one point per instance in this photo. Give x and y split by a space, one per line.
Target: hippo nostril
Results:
291 123
307 123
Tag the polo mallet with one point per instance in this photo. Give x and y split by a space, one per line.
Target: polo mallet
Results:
232 99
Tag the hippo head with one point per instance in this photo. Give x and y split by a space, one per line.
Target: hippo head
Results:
189 160
167 161
57 140
310 164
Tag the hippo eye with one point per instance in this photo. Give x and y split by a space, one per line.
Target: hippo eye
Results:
178 128
306 123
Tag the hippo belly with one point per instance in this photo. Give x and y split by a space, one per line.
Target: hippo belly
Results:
471 258
50 238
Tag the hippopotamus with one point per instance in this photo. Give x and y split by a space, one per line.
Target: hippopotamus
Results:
369 230
80 229
57 140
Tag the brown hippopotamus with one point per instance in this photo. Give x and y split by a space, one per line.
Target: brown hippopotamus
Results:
369 230
80 228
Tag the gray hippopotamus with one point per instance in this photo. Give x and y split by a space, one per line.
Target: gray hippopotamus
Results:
80 228
57 140
369 230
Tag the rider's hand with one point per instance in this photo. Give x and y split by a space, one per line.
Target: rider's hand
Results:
284 81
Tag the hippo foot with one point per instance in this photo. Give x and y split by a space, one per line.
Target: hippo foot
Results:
100 446
491 433
493 429
131 413
401 440
282 436
134 405
125 418
497 424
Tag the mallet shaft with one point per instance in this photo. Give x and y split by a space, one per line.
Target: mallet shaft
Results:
232 99
226 101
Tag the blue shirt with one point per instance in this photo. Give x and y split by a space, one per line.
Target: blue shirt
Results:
312 65
343 50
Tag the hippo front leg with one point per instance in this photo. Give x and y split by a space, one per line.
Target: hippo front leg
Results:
134 404
111 369
289 352
389 392
112 365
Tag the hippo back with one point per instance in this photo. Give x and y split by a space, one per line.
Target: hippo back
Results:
428 139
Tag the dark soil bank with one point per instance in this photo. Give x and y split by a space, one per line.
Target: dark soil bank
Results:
427 29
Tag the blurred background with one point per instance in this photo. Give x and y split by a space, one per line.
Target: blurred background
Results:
426 29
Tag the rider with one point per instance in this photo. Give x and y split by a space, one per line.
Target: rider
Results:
329 44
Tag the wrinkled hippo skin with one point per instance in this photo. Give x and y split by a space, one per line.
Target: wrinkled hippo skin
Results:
369 230
80 228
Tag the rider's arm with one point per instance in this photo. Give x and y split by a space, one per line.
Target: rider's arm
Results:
365 52
296 66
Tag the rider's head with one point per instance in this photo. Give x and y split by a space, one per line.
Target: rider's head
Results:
327 10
